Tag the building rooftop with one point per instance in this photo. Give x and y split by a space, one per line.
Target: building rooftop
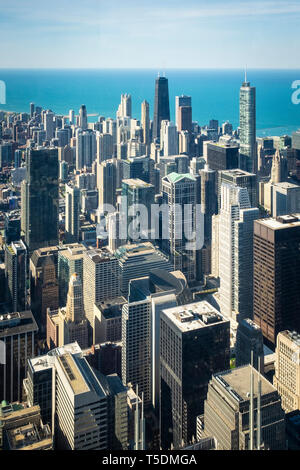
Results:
194 316
137 183
73 374
282 222
16 323
176 177
40 363
237 382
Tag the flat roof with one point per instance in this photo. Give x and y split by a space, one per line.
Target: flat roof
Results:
72 373
136 182
238 381
275 224
194 316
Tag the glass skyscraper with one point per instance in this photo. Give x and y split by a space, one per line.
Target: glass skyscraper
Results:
161 105
248 128
40 200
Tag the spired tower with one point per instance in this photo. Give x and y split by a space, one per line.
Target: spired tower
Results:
75 324
248 151
276 168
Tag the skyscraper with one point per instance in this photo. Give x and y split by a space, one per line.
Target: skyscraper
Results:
145 122
83 122
85 148
72 200
236 252
228 410
40 200
194 344
161 105
248 150
16 276
17 334
183 117
287 369
276 275
179 193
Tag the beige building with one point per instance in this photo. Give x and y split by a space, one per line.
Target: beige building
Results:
287 369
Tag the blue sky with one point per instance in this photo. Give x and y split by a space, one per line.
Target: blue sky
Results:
158 34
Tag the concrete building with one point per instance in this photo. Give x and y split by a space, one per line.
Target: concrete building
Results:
69 261
249 338
194 344
276 275
21 428
101 281
236 252
17 335
180 196
72 223
227 412
287 369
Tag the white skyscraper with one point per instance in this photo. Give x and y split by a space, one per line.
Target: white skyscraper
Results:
169 138
85 148
236 251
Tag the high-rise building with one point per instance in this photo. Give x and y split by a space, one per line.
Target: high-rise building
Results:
145 122
229 407
161 105
124 110
16 276
21 428
138 260
249 338
44 284
107 182
85 148
222 156
72 200
137 193
169 138
236 252
105 147
49 124
83 121
287 369
87 410
194 344
240 178
179 193
101 281
17 334
248 150
70 261
40 199
276 275
182 119
136 346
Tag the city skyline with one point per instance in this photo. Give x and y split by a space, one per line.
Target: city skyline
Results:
101 35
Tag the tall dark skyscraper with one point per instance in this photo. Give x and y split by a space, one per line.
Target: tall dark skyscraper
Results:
40 200
276 275
248 157
161 105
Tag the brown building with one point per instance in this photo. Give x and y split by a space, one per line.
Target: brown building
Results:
276 275
44 284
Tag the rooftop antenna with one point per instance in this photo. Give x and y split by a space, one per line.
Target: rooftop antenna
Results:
245 73
259 406
164 74
251 421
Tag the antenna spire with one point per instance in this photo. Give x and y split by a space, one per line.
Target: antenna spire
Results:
245 73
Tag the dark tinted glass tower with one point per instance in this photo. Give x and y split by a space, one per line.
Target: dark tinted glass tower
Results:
40 199
161 105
